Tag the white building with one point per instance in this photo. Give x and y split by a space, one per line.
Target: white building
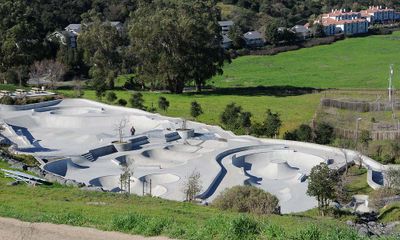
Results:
377 14
340 21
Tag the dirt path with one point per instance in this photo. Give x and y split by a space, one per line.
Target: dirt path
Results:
12 229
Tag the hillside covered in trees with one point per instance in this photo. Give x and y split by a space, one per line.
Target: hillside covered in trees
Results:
104 54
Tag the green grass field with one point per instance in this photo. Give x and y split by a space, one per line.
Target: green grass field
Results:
352 63
153 216
294 110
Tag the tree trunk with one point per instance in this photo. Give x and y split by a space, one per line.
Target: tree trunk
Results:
199 85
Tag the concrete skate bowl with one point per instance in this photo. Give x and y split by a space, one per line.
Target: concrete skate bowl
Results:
160 157
228 156
158 182
293 158
112 183
277 169
63 167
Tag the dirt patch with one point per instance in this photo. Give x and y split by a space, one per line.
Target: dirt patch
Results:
12 229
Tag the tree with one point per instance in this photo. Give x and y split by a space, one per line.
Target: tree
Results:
47 72
271 32
392 177
324 133
321 185
230 116
163 103
272 124
236 35
318 30
303 133
195 109
119 128
245 121
126 177
101 43
192 185
111 97
176 42
137 101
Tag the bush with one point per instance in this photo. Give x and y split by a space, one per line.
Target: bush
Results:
111 96
324 133
195 109
137 101
243 227
303 134
163 103
247 199
7 100
140 224
122 102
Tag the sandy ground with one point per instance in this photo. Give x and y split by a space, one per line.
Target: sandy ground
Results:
12 229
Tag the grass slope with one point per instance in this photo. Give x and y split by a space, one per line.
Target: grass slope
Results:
154 216
294 110
352 63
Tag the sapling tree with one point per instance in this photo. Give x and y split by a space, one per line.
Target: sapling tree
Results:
126 177
192 185
119 128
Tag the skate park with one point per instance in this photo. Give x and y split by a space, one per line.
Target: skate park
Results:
77 140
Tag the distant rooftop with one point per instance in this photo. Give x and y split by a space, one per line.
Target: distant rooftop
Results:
253 35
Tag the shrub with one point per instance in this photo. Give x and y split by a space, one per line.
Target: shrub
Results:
140 224
195 109
122 102
324 133
111 96
243 227
303 134
247 199
163 103
7 100
137 101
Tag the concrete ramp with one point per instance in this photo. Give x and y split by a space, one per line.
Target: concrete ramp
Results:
63 167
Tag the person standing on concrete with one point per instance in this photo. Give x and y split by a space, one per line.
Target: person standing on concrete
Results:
133 130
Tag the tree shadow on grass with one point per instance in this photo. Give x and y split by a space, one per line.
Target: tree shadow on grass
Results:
276 91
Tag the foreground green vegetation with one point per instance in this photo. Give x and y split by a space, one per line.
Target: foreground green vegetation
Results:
152 216
353 63
293 110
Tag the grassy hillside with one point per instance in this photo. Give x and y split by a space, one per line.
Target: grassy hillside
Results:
154 216
294 110
352 63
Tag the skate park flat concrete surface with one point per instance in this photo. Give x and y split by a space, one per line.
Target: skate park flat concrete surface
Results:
12 229
70 134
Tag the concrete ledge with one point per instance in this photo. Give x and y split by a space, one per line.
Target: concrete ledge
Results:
29 106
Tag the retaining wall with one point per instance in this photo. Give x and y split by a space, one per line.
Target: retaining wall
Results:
29 106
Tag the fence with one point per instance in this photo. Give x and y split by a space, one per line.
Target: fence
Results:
359 106
375 135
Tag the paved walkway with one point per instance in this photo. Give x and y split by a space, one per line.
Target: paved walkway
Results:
12 229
